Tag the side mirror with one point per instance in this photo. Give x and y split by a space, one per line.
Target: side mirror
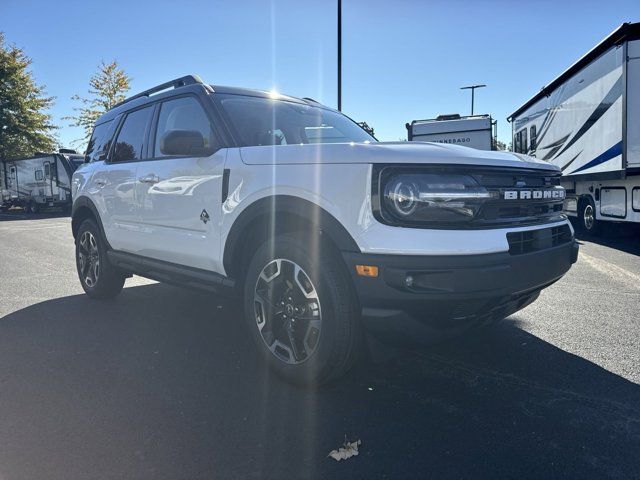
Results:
183 142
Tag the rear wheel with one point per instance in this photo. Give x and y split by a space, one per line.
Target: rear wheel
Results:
588 222
98 277
301 310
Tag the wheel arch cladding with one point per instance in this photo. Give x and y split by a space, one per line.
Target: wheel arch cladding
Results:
83 209
281 214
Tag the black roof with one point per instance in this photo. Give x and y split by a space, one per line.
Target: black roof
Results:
626 31
258 93
189 83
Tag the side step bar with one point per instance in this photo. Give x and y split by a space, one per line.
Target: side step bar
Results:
172 273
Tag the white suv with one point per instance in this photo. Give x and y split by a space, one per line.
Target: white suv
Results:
318 227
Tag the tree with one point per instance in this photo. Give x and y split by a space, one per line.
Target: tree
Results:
501 145
107 87
25 124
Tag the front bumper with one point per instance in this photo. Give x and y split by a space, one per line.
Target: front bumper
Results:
457 286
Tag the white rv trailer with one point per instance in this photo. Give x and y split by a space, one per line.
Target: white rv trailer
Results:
587 122
38 182
474 131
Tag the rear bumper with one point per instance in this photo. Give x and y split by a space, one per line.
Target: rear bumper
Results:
459 286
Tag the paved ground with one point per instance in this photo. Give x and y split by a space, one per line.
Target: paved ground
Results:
162 384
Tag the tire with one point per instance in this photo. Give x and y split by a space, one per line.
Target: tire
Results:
33 207
99 280
308 331
587 218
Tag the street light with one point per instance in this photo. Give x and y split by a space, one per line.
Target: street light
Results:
473 89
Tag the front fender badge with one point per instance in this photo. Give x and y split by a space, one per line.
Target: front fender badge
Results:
204 216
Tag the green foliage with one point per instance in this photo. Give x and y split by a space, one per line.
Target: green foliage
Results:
107 87
25 125
500 145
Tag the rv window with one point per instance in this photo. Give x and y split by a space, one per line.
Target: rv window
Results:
532 134
47 170
130 140
38 175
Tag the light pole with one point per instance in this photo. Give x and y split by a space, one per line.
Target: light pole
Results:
340 55
473 89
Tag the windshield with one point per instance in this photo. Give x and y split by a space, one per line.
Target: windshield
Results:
265 121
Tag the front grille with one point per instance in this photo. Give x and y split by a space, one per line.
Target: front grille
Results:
501 211
536 240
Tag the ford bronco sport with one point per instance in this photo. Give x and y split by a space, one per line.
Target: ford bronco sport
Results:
313 223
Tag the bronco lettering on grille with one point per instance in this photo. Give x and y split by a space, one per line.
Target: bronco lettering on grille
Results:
555 194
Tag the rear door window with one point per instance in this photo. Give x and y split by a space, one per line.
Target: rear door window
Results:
130 141
100 141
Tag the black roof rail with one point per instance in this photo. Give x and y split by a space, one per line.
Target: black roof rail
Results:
311 100
176 83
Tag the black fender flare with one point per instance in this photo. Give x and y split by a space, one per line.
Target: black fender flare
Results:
80 205
285 207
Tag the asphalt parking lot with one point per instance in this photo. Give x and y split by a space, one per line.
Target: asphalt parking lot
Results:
162 383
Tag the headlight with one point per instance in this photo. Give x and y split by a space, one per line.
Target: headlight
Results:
431 198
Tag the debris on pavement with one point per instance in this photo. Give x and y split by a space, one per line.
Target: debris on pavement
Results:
347 450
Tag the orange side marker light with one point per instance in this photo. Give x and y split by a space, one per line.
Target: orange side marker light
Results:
367 270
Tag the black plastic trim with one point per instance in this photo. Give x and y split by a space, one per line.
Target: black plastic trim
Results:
447 279
85 202
287 205
171 273
225 184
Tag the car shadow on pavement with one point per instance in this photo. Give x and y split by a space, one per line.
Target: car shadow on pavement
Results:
163 383
19 214
620 236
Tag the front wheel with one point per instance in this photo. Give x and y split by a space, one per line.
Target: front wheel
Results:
301 311
98 277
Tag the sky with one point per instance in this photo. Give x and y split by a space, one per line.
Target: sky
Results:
402 59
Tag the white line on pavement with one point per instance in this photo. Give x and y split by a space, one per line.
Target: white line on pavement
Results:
615 272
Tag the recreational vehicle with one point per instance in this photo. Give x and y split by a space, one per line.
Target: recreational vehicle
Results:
38 182
587 122
475 131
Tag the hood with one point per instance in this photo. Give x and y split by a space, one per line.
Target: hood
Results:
387 152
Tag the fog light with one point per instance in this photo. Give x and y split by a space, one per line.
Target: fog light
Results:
367 270
408 281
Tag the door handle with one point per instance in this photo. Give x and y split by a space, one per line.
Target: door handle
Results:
151 178
101 182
